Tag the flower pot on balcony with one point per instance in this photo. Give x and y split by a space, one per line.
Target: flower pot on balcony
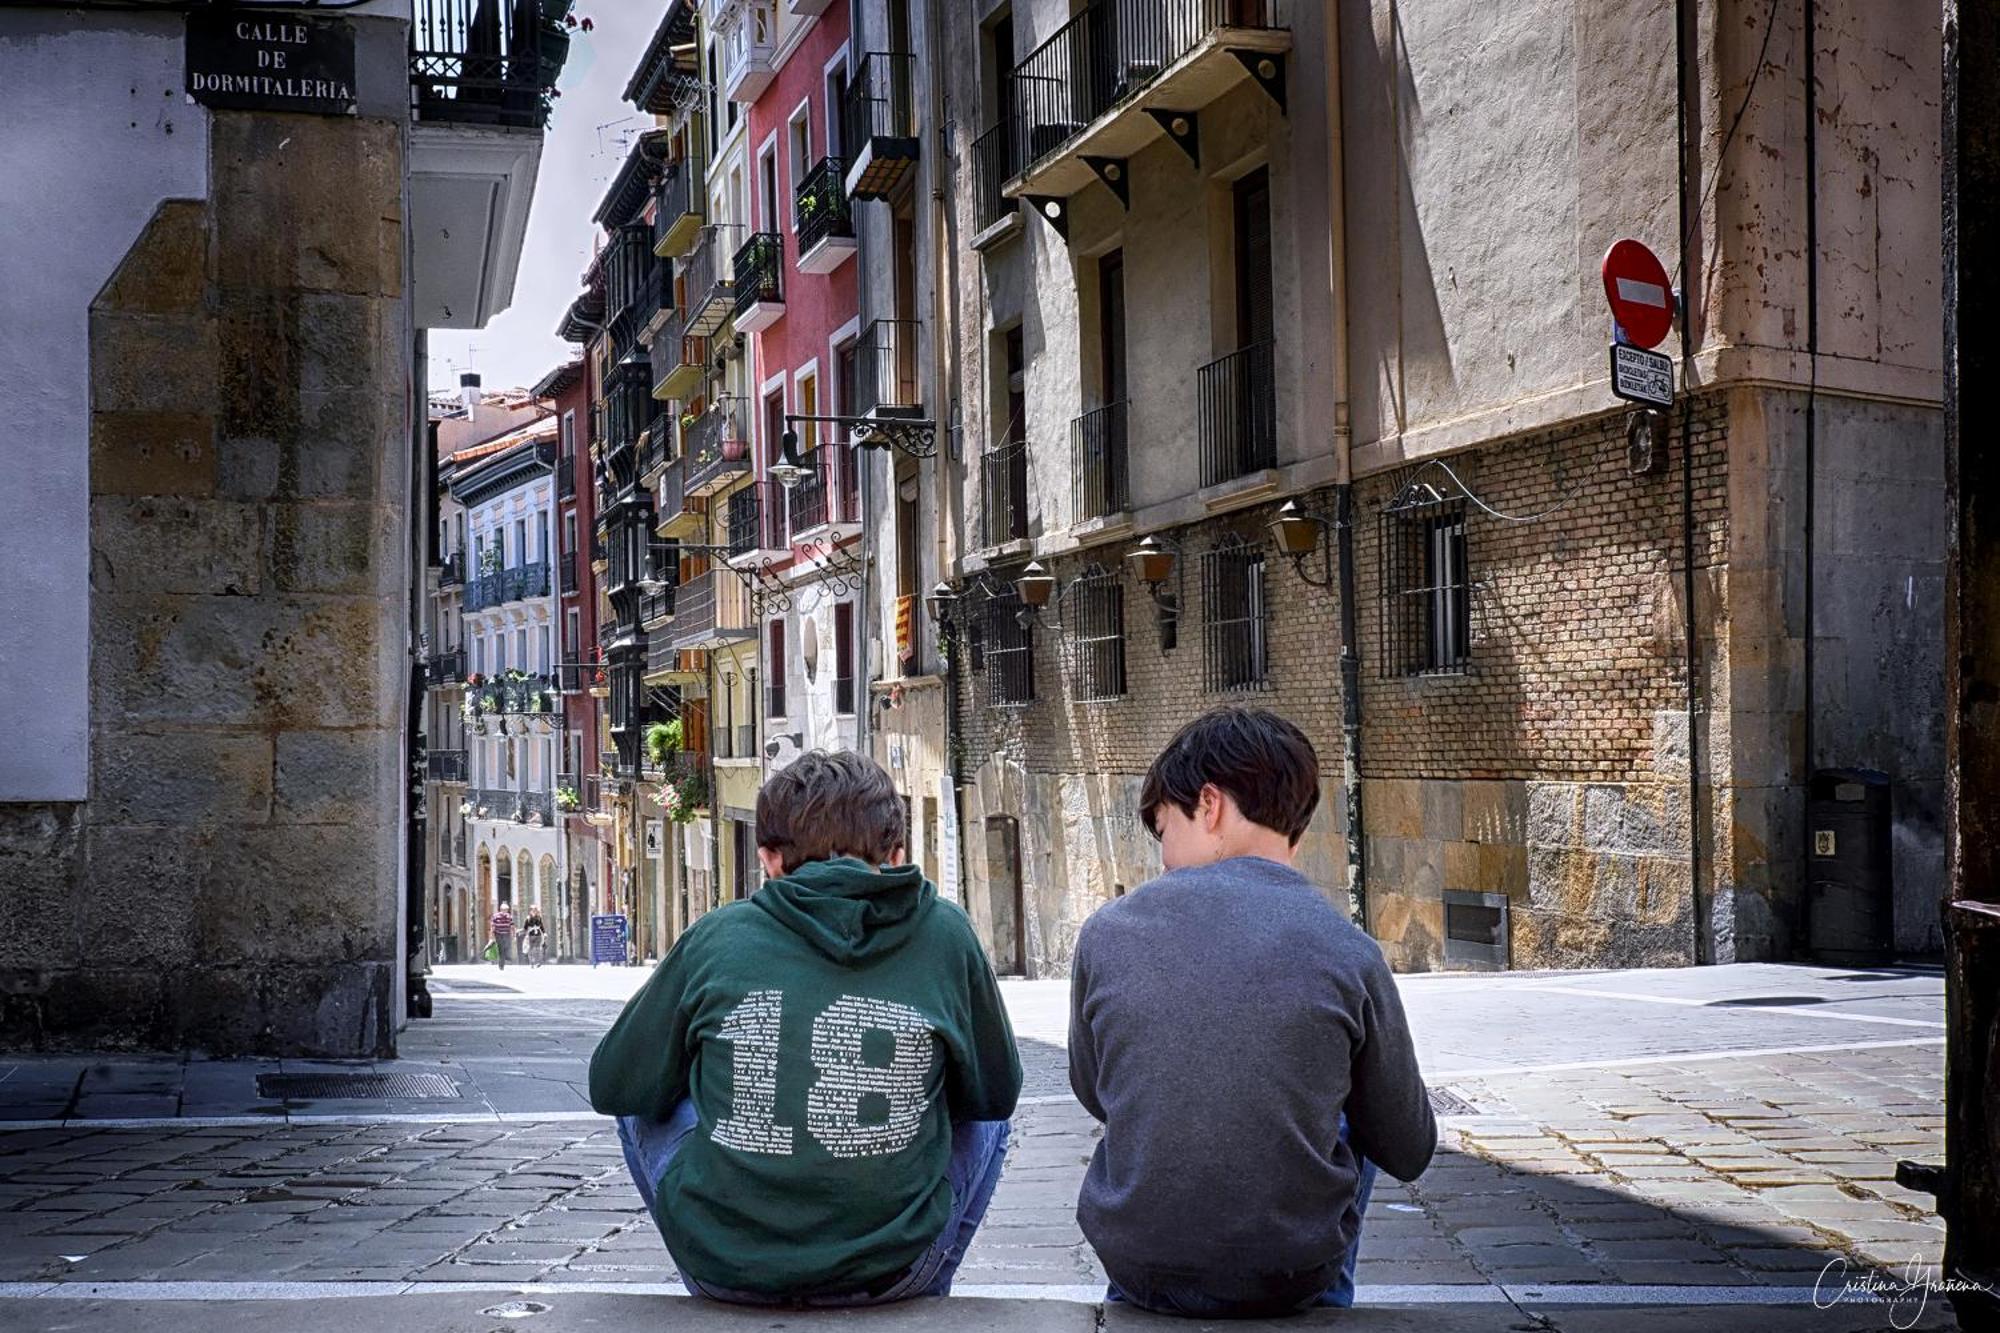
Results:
735 450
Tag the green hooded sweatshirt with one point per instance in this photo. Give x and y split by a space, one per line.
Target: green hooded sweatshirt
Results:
829 1030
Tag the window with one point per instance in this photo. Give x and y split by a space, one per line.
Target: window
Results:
1235 643
836 99
843 658
1009 643
521 647
573 635
799 141
1426 606
520 541
568 436
774 671
767 194
1097 616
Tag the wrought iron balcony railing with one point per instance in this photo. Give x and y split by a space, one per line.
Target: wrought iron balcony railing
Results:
759 268
445 765
822 208
879 123
819 498
996 162
1004 494
1101 480
445 668
1110 52
713 449
682 204
451 570
707 278
887 369
1238 409
477 62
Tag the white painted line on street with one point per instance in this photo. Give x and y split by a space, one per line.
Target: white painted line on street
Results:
1470 1293
1064 1100
1687 1002
1683 1057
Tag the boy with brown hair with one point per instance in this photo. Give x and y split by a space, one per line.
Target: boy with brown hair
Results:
813 1089
1243 1043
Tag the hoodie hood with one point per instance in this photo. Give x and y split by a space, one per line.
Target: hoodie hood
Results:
847 909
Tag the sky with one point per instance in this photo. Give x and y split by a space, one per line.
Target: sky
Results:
585 145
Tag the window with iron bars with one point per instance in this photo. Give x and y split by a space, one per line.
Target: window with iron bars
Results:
1236 646
1096 613
1426 599
1009 653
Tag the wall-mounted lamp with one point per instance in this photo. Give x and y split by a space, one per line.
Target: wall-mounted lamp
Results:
941 602
788 472
1035 585
1298 534
1155 561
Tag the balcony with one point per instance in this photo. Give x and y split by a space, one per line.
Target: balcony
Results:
482 76
656 608
446 668
707 279
879 124
578 677
445 766
824 221
748 32
682 206
655 302
677 518
1238 407
713 610
886 369
996 162
451 570
517 692
759 268
629 410
821 500
497 587
1084 100
757 525
680 361
565 479
1003 498
597 796
1102 483
567 567
714 450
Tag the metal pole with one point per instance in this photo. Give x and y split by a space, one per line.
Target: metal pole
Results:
864 702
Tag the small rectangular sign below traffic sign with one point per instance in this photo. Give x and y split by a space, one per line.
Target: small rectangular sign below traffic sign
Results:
1640 376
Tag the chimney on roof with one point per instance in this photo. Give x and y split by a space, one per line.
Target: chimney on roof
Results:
468 392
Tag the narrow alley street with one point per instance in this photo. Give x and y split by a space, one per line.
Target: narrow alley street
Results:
1722 1137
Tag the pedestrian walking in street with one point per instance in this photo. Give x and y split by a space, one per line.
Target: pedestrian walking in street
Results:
535 936
502 927
813 1090
1243 1043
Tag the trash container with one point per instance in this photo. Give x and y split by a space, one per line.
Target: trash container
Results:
1849 886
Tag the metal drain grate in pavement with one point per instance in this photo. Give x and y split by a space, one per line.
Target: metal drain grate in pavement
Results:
323 1087
1450 1103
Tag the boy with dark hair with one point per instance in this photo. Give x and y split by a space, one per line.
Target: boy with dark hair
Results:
813 1089
1243 1043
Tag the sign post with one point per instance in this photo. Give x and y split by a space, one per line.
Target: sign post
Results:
1642 305
608 935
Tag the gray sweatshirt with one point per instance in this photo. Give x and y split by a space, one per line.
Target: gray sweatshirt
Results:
1221 1019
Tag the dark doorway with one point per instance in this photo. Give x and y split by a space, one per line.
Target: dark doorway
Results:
1003 886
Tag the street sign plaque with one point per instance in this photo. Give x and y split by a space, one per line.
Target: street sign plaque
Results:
1641 297
270 62
1640 376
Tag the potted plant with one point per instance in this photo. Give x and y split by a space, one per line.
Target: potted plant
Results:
568 801
663 741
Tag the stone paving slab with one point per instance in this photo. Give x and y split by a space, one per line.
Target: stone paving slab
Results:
591 1312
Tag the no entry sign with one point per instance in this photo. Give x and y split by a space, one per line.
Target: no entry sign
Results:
1636 284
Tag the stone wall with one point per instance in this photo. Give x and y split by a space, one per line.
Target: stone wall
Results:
231 882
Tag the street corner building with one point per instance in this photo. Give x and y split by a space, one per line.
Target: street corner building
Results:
1279 375
228 234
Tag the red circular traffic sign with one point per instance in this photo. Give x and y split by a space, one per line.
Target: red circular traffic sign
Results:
1642 299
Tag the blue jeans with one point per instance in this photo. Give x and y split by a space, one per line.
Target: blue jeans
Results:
1192 1300
978 1148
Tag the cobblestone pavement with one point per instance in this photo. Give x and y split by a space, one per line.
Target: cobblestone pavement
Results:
1749 1167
